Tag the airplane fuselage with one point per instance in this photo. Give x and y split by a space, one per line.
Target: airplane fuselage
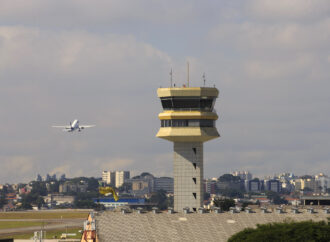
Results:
74 126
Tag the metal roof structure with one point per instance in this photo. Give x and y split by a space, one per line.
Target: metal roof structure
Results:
149 226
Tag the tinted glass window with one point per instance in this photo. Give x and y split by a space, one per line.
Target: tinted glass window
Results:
188 103
187 123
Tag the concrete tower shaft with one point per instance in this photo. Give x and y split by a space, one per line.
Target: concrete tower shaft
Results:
188 120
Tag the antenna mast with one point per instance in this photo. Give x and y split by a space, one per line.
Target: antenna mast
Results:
204 79
171 74
188 71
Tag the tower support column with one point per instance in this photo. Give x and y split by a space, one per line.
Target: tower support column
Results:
188 175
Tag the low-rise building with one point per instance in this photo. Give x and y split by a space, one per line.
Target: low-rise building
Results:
254 185
164 183
110 203
210 186
273 185
69 186
58 199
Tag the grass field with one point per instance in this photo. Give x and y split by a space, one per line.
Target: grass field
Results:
43 215
49 234
19 224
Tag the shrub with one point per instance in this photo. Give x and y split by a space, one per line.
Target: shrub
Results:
286 231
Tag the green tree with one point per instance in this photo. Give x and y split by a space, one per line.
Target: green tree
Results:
85 199
39 188
287 231
229 192
54 186
224 204
275 197
31 199
160 199
2 198
229 178
93 184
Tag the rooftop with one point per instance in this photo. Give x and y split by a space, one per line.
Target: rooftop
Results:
188 92
115 226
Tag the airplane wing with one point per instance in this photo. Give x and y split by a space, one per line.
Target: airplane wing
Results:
62 127
86 126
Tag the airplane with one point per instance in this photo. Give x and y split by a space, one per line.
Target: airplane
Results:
74 126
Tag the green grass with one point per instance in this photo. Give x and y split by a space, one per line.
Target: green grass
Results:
50 234
43 215
18 224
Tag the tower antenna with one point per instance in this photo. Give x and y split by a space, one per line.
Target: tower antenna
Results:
204 79
188 72
171 74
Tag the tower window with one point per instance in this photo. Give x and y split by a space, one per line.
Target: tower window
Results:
195 195
188 123
195 150
194 179
195 165
188 103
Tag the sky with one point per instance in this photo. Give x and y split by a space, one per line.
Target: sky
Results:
102 61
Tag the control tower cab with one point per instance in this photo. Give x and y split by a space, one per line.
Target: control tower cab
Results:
188 119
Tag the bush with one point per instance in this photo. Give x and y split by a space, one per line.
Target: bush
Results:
224 204
287 231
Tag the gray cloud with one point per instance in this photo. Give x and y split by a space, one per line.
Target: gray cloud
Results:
103 63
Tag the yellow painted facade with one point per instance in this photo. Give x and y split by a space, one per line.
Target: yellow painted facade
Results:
188 92
167 115
188 134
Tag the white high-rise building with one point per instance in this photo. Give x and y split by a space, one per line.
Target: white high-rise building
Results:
109 177
244 175
324 181
121 177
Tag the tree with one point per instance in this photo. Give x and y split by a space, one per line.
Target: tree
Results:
287 231
39 188
229 178
54 187
143 174
85 199
32 199
160 198
224 204
2 198
275 197
93 184
229 192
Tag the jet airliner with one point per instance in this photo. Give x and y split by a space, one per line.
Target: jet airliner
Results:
74 126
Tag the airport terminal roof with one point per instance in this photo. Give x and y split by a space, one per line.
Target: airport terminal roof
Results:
115 226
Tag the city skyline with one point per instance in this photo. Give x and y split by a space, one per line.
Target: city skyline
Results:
102 64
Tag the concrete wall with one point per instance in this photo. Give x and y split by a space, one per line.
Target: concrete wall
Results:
186 154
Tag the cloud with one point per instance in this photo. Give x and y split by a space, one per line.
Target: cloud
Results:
288 10
16 168
102 63
113 164
259 36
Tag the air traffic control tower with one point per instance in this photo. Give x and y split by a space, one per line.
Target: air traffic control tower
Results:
188 120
